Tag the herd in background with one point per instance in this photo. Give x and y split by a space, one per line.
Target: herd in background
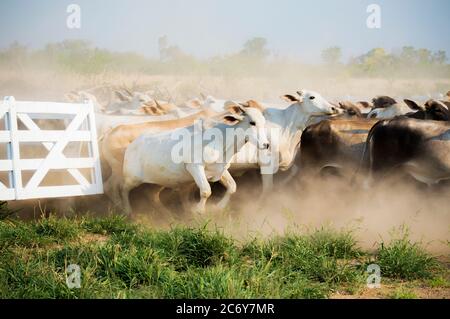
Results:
372 138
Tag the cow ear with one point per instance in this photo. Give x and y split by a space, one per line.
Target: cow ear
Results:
234 108
289 98
194 103
158 106
364 104
253 104
147 109
413 105
231 119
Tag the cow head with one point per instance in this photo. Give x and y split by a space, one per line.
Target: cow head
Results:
385 107
350 109
253 104
250 119
195 103
132 97
312 103
431 110
439 110
383 101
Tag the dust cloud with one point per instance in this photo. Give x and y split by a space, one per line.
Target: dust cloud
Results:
372 213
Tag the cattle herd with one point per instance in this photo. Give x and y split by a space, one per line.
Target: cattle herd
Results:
308 137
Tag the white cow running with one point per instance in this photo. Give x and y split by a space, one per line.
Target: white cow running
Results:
150 158
288 124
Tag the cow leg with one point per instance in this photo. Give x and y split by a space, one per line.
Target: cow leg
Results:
112 189
185 195
292 173
228 181
112 184
267 185
156 201
198 173
128 185
107 187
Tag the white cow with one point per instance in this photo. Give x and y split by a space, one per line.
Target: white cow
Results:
284 128
150 158
216 105
105 122
128 102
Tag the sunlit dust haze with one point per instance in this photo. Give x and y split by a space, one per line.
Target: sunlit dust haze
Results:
243 50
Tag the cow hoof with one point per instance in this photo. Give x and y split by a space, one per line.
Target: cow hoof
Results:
221 206
198 211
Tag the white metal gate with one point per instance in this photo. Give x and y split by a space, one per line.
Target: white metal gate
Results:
76 116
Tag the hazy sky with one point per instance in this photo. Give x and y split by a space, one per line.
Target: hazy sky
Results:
209 27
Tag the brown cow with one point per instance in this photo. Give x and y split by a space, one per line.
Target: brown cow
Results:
339 143
336 144
419 148
353 109
432 110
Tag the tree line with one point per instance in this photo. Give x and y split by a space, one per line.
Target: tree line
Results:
253 59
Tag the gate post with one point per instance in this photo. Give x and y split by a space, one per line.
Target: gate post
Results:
13 149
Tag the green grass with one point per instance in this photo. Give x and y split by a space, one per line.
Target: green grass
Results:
403 293
401 258
119 259
439 282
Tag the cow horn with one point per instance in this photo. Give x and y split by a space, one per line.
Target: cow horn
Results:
157 104
128 91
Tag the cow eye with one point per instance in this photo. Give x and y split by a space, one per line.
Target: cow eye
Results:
312 97
252 123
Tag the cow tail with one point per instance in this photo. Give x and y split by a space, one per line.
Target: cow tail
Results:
364 162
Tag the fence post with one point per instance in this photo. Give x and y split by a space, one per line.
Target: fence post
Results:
13 149
94 153
6 104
